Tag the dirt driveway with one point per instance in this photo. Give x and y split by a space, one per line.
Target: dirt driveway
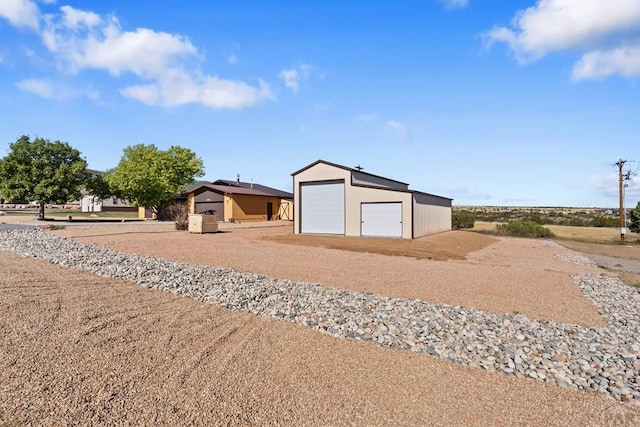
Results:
77 349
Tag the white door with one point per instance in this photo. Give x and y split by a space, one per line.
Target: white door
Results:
382 219
322 207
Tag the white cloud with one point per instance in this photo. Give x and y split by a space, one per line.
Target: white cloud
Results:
166 64
291 79
366 118
294 76
76 19
233 58
94 95
585 26
608 186
452 4
42 88
209 91
398 128
599 65
47 88
21 13
103 45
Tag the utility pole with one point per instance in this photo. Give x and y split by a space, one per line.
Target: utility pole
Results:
623 229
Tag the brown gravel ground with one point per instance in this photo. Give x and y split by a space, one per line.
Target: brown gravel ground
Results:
507 276
77 349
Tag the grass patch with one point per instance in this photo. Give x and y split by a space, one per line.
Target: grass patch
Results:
57 213
77 214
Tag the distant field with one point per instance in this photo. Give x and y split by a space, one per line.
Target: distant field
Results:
581 217
581 234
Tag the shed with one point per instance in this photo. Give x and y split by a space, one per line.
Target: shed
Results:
235 203
335 199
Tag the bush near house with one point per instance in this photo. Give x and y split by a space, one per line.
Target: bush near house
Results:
178 212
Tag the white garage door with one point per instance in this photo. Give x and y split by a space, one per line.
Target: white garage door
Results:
382 219
322 207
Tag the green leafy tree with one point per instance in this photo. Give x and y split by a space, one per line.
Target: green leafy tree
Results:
42 171
98 186
150 177
634 215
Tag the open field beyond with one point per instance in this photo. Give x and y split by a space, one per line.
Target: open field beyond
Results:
581 234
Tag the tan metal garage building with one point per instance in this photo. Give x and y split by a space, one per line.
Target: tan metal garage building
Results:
335 199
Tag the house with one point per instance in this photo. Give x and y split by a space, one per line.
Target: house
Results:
236 201
335 199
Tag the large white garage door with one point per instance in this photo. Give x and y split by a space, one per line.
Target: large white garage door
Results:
322 207
382 219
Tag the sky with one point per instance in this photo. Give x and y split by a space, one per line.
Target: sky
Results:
488 102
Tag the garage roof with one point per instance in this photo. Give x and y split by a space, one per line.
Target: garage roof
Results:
335 165
356 171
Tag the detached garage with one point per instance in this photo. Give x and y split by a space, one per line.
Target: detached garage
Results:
334 199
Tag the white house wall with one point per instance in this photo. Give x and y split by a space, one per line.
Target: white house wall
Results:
431 215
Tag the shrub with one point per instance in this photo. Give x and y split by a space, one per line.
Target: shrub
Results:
535 217
605 221
524 229
634 215
462 220
177 212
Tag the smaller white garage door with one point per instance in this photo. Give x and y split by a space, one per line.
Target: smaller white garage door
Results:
382 219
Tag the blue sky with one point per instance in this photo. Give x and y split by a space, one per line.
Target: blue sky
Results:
523 102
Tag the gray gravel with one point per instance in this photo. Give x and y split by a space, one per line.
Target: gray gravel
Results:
615 263
8 227
603 360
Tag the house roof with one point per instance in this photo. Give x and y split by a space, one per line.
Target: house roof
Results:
228 189
335 165
263 188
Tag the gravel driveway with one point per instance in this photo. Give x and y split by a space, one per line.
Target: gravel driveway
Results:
7 227
615 263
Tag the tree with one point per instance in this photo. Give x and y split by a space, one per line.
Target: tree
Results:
98 186
42 171
634 214
150 177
